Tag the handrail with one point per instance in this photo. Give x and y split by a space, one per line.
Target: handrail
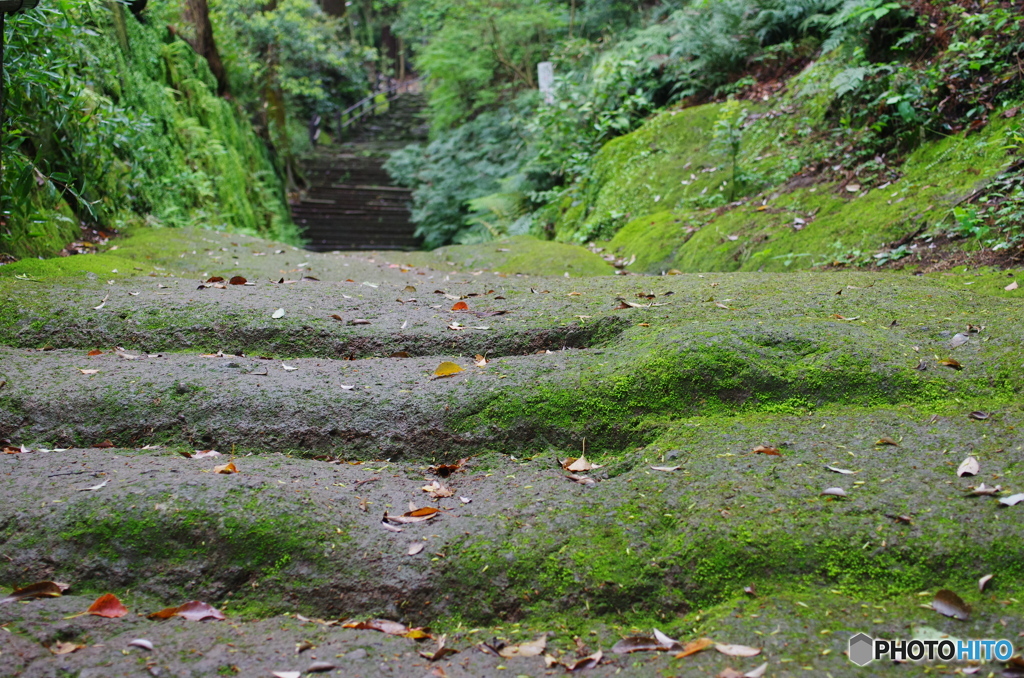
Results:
371 103
345 118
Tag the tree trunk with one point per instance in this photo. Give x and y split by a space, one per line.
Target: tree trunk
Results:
197 12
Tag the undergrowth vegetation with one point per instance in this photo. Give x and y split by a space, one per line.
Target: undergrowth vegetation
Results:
885 79
115 120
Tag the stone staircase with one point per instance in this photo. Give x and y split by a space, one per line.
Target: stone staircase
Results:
351 202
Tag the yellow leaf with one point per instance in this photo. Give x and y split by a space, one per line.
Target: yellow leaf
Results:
447 369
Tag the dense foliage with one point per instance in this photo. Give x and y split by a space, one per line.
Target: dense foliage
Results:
111 122
908 72
114 120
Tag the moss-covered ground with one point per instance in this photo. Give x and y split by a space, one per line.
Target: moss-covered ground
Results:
327 430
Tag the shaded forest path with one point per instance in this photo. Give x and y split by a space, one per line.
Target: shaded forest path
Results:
351 202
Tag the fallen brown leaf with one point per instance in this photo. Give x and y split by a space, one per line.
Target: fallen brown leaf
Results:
107 606
193 611
62 647
949 604
392 628
695 646
226 469
585 663
42 589
530 649
763 449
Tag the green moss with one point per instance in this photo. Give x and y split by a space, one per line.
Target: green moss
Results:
659 193
519 254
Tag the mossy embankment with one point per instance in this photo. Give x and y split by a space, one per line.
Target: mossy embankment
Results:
665 195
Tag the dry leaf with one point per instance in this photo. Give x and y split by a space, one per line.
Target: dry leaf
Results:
95 352
279 313
287 674
288 368
667 469
62 647
695 646
968 467
885 440
950 604
319 667
983 581
437 490
460 306
202 454
984 490
141 643
1012 500
108 606
582 480
399 354
106 444
951 363
738 650
337 317
445 470
1011 287
531 649
758 672
94 487
729 672
446 369
392 628
585 663
580 464
659 643
762 449
215 279
192 611
979 415
441 652
102 303
226 469
834 492
237 280
839 470
416 547
89 371
409 289
42 589
481 361
465 500
416 516
959 339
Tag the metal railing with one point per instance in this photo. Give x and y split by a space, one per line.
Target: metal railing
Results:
374 104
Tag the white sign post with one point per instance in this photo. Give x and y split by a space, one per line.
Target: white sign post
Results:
546 81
